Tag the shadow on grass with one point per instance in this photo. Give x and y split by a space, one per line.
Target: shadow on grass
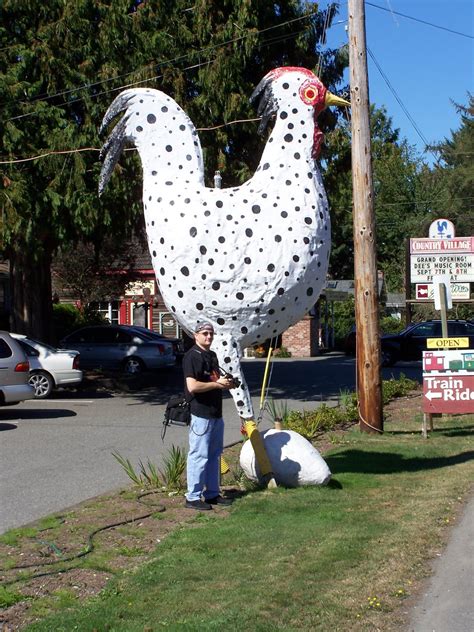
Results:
454 431
364 462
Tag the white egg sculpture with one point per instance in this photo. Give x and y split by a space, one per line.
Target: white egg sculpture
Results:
295 462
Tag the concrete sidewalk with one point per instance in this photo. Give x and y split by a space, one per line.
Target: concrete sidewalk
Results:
447 601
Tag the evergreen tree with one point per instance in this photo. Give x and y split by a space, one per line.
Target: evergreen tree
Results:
451 183
61 64
396 172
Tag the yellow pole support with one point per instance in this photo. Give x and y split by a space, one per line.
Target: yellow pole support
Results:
265 377
224 466
261 455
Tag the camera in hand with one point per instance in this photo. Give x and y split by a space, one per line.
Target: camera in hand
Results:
235 381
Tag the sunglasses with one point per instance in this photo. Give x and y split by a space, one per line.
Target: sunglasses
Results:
206 333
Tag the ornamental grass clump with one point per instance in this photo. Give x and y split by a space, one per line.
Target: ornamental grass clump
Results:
170 478
172 474
277 410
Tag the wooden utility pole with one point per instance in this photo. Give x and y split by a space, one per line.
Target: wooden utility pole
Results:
369 381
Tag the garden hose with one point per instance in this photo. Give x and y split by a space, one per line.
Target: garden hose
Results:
89 548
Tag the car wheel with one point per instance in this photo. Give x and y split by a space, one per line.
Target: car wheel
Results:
388 357
133 366
43 384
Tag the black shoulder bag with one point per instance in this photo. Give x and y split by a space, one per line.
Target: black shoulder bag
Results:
178 411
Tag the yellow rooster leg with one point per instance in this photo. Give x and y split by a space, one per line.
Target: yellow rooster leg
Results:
261 455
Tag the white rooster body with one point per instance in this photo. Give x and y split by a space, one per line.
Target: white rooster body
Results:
251 259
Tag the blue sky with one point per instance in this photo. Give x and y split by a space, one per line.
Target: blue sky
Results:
427 67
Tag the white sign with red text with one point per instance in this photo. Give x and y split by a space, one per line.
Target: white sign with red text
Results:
430 258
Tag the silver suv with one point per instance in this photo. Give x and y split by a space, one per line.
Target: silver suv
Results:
14 372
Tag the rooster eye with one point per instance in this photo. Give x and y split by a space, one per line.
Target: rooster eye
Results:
309 93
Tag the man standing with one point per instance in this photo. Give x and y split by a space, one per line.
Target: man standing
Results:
203 388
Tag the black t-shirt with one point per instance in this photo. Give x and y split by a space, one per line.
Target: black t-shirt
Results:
203 366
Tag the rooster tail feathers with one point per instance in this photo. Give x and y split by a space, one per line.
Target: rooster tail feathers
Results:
110 153
164 135
267 105
118 105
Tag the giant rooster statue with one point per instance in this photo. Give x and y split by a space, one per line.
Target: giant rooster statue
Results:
251 259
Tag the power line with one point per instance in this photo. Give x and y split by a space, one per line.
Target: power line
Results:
274 40
410 17
402 105
205 50
347 209
82 149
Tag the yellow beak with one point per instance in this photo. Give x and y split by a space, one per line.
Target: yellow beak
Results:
331 99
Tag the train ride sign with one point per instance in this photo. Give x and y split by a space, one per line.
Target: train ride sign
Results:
448 381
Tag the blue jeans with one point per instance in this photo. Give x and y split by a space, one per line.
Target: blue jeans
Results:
206 442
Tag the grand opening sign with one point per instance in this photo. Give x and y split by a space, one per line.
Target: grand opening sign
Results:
434 257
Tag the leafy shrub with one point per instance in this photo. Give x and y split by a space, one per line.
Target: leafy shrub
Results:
282 352
348 403
397 387
309 423
344 319
390 325
67 318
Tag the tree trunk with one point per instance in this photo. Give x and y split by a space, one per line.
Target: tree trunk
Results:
31 304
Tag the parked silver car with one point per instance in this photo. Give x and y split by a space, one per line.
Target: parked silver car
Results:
14 372
49 367
178 344
119 347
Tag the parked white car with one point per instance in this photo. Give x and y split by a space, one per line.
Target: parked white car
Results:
49 367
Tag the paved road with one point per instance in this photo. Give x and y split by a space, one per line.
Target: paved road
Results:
56 453
447 603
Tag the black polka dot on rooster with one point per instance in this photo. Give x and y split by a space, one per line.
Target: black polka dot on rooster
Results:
252 259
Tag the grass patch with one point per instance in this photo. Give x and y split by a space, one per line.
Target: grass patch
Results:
14 536
9 596
59 600
340 557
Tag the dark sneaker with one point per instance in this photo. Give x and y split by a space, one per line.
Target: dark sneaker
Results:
220 500
199 505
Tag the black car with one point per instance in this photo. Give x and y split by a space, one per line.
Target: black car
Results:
411 342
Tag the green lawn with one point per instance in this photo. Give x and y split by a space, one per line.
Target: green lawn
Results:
341 557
